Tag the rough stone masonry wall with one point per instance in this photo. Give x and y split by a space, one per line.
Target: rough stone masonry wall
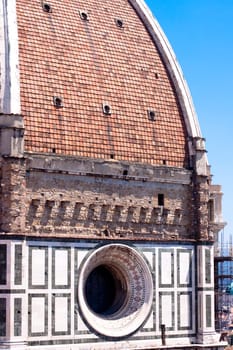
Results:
67 204
12 194
201 195
64 198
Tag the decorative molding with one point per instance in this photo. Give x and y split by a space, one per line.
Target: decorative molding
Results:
166 305
180 266
65 273
63 312
188 310
103 218
166 269
133 296
32 266
41 309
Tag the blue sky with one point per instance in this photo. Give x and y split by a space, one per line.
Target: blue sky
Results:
201 34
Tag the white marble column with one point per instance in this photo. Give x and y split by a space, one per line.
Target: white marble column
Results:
205 292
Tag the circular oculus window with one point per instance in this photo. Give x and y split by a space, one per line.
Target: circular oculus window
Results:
115 290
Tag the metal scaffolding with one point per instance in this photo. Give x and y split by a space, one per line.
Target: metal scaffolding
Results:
223 272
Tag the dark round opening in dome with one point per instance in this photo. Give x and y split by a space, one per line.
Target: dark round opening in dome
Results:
104 291
119 23
57 101
46 7
106 109
151 115
84 16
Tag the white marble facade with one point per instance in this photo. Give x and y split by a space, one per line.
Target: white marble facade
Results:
41 301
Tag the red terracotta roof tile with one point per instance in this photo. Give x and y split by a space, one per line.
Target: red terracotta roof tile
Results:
87 63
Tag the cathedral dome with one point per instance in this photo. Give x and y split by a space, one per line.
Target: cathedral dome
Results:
101 82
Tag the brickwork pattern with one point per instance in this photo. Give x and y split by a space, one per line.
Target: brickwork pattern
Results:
87 63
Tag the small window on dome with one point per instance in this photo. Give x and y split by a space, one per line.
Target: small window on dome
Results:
119 22
151 115
46 7
57 101
107 109
83 15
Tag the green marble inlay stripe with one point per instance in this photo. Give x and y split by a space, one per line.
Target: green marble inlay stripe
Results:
207 266
208 311
18 264
3 263
17 317
2 317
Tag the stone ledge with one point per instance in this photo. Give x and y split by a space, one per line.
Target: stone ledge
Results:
107 168
11 121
